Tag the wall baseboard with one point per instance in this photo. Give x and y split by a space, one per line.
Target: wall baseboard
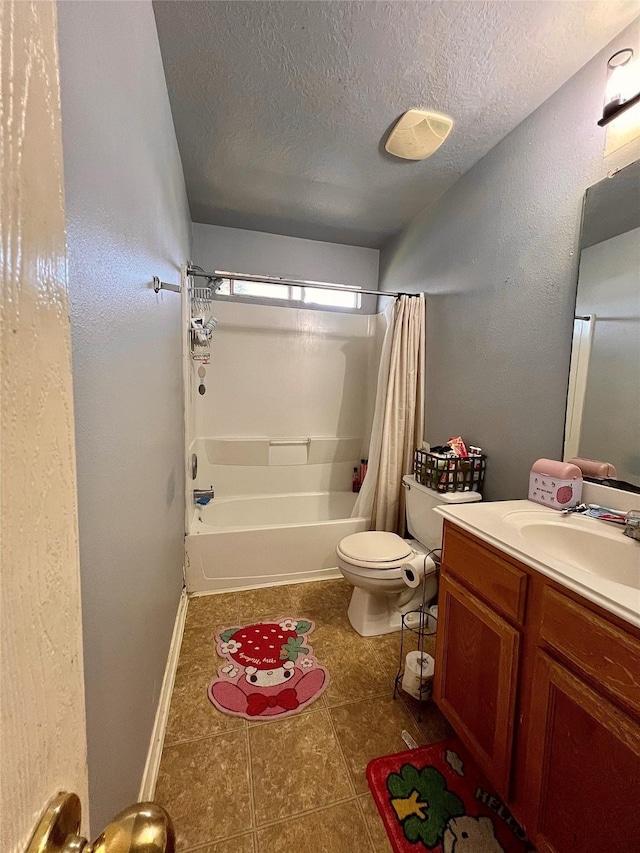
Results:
150 775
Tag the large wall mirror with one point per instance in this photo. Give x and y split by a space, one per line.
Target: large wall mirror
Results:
603 404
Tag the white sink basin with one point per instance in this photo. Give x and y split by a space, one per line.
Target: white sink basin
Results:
585 543
591 557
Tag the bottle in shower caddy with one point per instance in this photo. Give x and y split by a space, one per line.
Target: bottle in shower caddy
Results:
355 485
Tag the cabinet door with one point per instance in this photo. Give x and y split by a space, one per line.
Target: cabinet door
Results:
583 767
476 674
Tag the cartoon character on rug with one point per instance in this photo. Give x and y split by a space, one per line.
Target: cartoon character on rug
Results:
271 670
432 814
469 834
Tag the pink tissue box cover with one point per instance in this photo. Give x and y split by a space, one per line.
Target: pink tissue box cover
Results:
555 484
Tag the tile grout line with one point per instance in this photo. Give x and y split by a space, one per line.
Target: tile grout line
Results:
280 718
387 694
252 800
381 659
204 737
226 838
366 824
383 694
341 802
341 751
412 714
244 725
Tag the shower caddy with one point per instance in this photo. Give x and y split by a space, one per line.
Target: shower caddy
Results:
200 330
200 302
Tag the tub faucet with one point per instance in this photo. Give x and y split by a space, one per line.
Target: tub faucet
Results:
203 496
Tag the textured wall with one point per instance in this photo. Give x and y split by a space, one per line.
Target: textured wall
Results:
498 256
42 720
238 250
127 220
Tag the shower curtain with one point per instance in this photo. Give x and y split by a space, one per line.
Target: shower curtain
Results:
398 422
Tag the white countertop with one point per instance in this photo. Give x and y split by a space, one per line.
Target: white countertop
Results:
497 524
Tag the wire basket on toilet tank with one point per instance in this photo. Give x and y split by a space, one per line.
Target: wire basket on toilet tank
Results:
447 473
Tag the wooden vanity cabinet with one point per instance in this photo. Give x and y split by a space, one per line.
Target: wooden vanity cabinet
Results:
583 766
477 663
543 687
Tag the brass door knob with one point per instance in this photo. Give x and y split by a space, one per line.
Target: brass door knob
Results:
140 828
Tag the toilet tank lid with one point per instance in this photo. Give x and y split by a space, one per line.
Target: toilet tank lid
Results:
442 497
375 546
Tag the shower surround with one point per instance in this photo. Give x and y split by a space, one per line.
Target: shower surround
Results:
285 418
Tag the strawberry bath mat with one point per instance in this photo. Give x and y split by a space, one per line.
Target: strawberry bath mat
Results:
270 670
435 798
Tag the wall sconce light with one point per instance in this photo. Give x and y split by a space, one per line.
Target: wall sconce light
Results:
621 76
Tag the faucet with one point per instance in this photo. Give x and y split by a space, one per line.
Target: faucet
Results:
203 496
632 524
631 519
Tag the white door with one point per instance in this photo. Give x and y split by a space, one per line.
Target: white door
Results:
42 725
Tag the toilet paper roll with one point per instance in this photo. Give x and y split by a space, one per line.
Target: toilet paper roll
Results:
418 674
413 572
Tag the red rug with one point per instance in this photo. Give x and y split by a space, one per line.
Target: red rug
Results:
271 670
435 798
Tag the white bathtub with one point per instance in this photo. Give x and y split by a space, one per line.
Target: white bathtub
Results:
261 540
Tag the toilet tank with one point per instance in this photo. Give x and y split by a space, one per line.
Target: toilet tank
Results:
424 524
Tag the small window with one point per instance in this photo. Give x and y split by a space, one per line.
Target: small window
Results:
346 299
262 291
333 298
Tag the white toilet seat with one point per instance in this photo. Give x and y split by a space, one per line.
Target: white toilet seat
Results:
375 550
382 573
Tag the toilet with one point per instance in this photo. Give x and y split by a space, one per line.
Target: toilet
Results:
373 562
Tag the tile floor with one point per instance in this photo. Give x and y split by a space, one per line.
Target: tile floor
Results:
234 786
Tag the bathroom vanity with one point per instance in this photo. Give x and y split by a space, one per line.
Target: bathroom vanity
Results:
538 668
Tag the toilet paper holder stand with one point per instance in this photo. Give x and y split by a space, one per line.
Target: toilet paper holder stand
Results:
423 624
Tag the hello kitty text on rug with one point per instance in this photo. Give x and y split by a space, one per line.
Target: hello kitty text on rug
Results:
270 671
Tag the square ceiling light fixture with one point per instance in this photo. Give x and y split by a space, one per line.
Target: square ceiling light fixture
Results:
418 134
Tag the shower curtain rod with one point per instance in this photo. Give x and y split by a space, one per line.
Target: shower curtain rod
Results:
289 282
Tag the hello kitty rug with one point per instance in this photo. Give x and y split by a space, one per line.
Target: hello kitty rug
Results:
270 670
435 798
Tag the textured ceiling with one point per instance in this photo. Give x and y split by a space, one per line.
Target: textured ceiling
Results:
281 108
